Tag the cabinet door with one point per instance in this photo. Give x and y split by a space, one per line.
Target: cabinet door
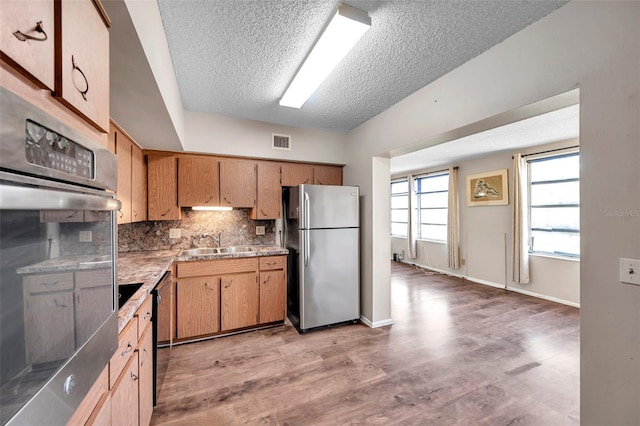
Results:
27 39
198 306
197 181
165 312
269 197
92 288
82 60
296 174
43 342
123 151
273 296
101 416
138 185
237 184
327 175
124 395
145 384
240 300
162 186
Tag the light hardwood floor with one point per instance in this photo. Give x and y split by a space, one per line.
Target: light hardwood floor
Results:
459 353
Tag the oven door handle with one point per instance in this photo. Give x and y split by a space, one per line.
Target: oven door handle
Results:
28 198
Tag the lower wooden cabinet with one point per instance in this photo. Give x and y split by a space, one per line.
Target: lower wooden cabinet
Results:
198 306
145 382
124 395
273 296
240 301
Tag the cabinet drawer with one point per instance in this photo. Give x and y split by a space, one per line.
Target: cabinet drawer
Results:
127 342
49 282
272 262
217 267
144 316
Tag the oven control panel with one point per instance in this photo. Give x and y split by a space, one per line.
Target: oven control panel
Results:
47 148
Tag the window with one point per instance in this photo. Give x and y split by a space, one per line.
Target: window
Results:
399 208
433 194
554 204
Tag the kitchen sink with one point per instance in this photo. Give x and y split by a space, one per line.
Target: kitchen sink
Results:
125 291
205 251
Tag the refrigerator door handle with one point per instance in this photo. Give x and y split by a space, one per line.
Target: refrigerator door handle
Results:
306 247
307 213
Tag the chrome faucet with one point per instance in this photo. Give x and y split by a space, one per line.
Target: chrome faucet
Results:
218 239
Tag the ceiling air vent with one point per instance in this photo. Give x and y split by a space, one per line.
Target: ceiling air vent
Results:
281 142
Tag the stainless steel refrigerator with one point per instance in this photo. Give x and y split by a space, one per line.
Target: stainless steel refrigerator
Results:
322 235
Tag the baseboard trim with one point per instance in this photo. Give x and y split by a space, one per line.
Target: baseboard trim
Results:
376 324
542 296
489 283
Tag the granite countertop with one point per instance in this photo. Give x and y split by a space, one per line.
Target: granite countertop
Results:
148 267
68 263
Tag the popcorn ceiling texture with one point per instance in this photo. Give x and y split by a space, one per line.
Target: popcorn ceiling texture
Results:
198 229
236 58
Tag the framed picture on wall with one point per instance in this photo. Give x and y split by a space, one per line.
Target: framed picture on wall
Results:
488 188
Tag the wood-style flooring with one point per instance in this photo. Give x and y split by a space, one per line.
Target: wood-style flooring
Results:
459 353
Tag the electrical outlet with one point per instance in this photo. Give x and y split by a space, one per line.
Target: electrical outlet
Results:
463 262
630 271
259 230
175 233
85 236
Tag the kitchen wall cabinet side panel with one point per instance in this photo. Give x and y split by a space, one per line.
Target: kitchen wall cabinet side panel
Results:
294 174
269 192
273 296
33 59
240 301
162 188
237 183
123 151
138 185
197 306
198 181
327 175
82 60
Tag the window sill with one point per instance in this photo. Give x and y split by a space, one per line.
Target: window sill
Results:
556 257
433 241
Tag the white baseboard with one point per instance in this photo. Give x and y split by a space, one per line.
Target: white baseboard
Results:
376 324
496 285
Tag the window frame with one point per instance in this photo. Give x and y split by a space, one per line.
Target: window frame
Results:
419 206
537 158
406 207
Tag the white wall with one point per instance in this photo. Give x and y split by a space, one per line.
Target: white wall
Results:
231 136
551 278
591 45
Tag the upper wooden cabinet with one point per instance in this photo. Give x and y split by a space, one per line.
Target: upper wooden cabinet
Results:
294 174
27 39
82 59
198 181
237 183
327 175
269 196
162 188
132 177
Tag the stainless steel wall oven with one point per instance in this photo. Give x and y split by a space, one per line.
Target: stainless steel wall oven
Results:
58 253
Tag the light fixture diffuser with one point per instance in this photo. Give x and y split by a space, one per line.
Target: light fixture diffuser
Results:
347 26
212 208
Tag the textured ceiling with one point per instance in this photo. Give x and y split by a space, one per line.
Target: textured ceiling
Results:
236 57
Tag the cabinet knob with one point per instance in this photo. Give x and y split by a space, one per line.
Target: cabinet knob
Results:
127 350
165 213
83 90
24 37
133 376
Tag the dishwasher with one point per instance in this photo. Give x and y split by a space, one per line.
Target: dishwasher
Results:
162 327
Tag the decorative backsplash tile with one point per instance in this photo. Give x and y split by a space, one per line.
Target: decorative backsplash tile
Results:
198 229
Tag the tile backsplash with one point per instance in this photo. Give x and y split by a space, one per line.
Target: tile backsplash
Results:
198 229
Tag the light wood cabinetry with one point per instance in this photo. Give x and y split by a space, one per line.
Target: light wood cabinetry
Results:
145 383
95 408
125 394
198 181
269 192
327 175
82 60
166 309
27 41
240 301
198 306
237 183
162 173
294 174
101 416
273 288
132 176
48 299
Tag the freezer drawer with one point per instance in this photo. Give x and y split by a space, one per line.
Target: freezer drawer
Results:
329 276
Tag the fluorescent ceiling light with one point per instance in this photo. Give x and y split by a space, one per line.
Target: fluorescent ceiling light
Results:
347 26
212 208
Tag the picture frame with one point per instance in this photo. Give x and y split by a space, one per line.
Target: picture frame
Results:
488 188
